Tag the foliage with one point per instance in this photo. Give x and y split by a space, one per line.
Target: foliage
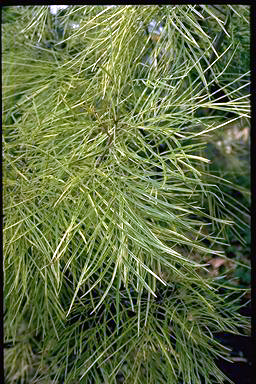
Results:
111 206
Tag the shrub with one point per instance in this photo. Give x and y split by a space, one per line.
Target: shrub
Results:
111 207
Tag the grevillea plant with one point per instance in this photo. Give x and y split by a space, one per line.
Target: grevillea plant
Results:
111 207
